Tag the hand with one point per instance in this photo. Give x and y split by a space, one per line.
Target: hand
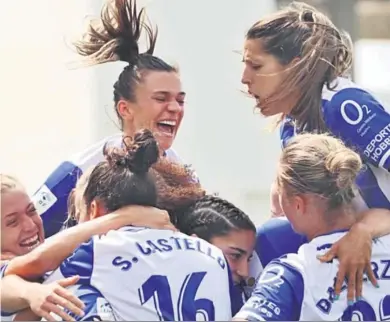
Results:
6 256
354 254
45 299
142 216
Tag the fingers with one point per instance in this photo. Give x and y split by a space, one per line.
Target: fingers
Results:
69 281
371 276
359 284
53 308
352 278
340 277
328 256
68 301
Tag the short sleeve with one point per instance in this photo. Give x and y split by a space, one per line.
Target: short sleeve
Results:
357 118
97 307
278 295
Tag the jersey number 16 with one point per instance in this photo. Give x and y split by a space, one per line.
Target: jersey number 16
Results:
187 307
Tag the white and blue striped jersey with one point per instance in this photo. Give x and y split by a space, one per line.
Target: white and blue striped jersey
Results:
357 118
274 238
51 198
140 274
288 289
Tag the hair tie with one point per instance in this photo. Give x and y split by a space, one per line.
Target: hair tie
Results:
307 16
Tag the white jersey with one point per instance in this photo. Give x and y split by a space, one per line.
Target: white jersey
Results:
300 287
140 274
51 199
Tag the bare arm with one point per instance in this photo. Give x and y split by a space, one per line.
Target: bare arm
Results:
53 252
18 300
41 299
377 221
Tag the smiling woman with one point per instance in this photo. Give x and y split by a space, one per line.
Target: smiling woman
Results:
21 226
147 94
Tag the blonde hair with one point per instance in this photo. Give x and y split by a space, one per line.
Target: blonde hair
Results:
324 53
76 201
9 182
319 164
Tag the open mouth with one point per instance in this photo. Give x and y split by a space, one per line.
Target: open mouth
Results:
30 243
167 127
256 97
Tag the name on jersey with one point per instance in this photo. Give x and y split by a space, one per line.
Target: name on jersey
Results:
162 245
381 270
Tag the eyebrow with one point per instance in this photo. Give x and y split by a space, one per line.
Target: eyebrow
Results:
12 214
241 251
30 206
168 93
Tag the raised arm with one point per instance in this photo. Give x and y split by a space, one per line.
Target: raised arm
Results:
50 255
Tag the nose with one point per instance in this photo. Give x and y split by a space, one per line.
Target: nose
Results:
174 107
243 269
245 76
28 224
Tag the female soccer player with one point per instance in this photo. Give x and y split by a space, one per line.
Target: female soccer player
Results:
22 243
316 175
296 61
147 94
144 274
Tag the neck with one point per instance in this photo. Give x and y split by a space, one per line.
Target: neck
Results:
332 220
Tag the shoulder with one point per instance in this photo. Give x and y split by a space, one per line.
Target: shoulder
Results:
93 154
351 106
275 238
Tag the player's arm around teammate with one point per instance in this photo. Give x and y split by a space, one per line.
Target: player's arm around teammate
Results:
31 263
318 205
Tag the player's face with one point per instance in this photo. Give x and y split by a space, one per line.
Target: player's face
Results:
263 75
237 246
21 226
159 106
294 209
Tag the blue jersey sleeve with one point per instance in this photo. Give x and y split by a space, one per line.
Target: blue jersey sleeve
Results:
276 238
97 307
357 118
3 268
51 199
80 263
278 295
287 130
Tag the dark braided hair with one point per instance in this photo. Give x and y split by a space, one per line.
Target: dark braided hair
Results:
114 37
211 216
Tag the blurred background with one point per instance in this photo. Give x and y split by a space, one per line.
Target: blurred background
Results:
49 112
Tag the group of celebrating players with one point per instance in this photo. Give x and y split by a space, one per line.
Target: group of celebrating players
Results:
132 235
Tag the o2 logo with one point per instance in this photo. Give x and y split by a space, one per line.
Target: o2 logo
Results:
360 109
272 277
363 311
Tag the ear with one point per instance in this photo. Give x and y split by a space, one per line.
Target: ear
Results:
300 203
125 110
96 210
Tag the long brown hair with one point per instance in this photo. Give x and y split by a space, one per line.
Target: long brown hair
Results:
323 53
114 37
